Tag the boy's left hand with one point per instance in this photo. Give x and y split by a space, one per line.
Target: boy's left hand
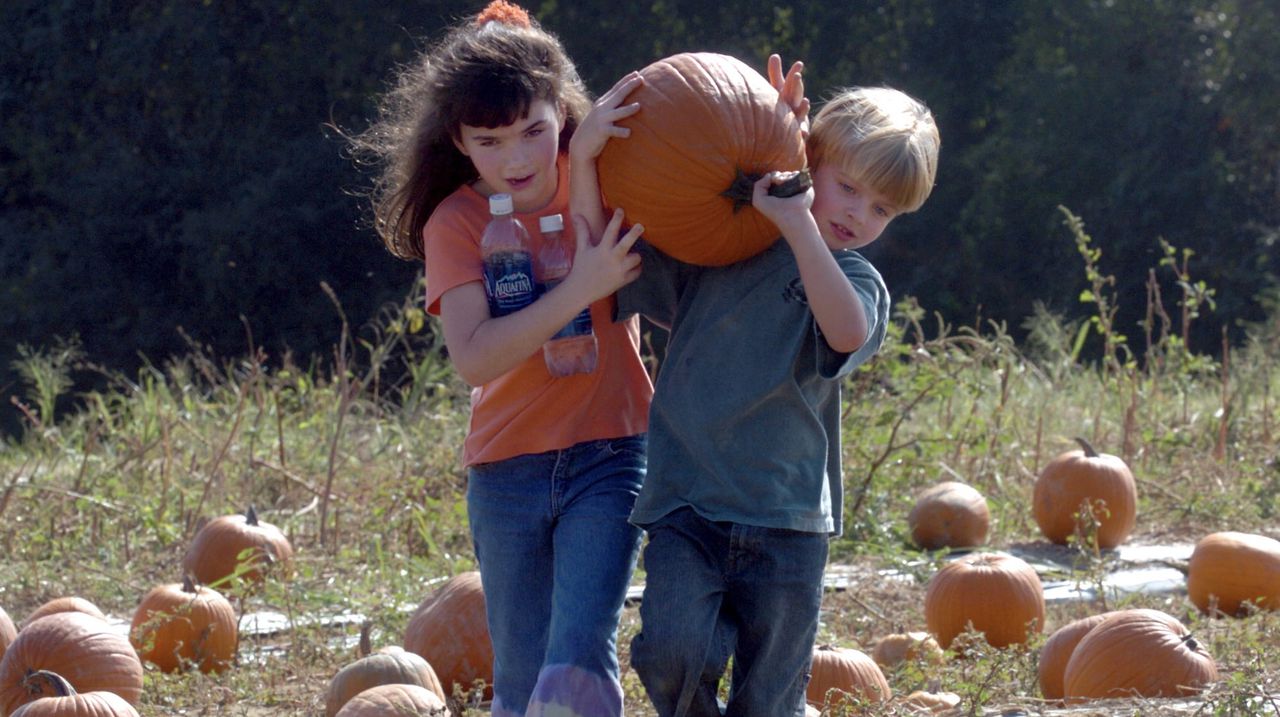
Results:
601 123
789 214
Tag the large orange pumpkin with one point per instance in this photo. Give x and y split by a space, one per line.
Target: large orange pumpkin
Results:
180 624
949 515
1139 652
1056 652
389 666
996 594
1085 480
224 543
1232 569
450 630
847 672
64 701
705 122
81 648
395 700
64 604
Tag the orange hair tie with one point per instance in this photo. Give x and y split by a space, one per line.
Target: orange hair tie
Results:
505 13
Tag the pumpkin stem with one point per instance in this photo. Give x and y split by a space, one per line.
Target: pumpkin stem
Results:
1087 447
58 683
188 585
366 643
743 185
251 516
1190 641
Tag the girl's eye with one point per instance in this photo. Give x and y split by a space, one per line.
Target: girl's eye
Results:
535 132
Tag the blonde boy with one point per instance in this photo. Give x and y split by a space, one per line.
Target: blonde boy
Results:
743 490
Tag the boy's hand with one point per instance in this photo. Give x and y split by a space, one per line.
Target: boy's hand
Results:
600 124
791 89
603 267
790 214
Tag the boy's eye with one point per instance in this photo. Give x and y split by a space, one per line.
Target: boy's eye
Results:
847 188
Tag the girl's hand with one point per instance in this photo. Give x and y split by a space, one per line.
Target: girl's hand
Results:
600 124
790 214
603 267
790 89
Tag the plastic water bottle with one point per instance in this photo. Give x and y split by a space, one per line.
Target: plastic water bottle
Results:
508 262
573 349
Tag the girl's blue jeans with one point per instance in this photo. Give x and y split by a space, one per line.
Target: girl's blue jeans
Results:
715 589
556 554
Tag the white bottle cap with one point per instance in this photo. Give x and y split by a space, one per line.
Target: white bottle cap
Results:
500 204
551 223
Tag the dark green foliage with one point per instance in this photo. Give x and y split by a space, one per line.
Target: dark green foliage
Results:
167 164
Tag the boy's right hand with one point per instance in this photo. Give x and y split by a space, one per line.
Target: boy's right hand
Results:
601 268
601 123
790 89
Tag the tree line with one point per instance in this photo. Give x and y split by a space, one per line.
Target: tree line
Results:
169 175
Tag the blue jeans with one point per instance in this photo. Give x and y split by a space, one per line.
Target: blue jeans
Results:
715 589
556 554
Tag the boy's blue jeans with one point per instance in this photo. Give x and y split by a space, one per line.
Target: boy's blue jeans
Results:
715 589
556 553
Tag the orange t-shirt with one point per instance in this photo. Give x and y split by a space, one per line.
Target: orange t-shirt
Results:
526 410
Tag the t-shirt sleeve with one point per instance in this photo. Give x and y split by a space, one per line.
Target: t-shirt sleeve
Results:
656 293
451 247
874 295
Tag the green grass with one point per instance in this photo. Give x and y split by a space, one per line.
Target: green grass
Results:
355 456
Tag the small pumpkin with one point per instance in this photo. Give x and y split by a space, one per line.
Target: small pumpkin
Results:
894 649
395 700
708 125
450 630
64 701
1086 480
996 594
1138 652
64 604
224 543
1230 569
8 632
391 665
949 515
181 624
839 671
929 702
1056 652
79 647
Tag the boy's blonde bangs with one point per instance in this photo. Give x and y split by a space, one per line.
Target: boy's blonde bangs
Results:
883 138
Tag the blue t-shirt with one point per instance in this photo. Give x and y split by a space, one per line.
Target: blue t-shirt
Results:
745 421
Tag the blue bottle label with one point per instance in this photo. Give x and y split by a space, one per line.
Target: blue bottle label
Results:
508 282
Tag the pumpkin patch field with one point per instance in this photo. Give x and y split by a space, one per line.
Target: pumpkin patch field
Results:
260 535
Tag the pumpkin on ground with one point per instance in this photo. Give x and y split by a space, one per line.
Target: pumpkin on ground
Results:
708 125
81 648
894 649
64 701
847 672
1138 652
230 543
7 631
996 594
1230 569
179 624
928 702
395 700
1083 483
1056 652
388 666
450 631
64 604
949 515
